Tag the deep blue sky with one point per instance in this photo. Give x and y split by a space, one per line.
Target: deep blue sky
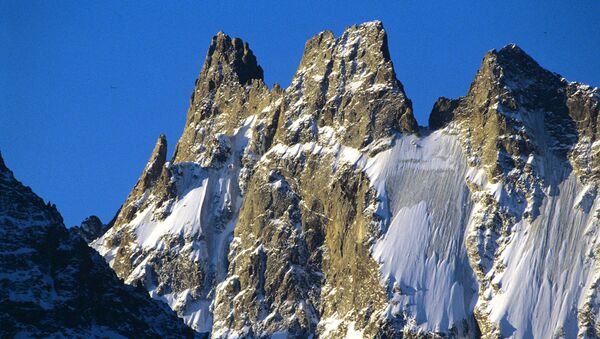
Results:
86 87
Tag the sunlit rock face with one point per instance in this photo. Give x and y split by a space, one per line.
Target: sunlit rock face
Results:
52 285
323 209
528 136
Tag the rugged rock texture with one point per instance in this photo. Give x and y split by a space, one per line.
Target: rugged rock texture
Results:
349 85
90 229
53 285
322 209
185 219
229 89
528 135
303 233
309 217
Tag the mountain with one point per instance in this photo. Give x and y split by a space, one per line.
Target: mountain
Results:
52 284
323 209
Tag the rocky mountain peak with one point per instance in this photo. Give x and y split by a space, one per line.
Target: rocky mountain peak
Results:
229 56
367 40
339 80
516 63
514 110
229 88
509 85
512 55
514 76
281 215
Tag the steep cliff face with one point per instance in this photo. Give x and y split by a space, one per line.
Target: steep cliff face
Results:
528 137
310 214
53 285
347 84
323 210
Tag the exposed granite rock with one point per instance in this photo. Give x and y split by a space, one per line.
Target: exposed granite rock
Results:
301 241
53 285
347 84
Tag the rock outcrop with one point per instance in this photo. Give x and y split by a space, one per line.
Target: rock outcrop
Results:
90 229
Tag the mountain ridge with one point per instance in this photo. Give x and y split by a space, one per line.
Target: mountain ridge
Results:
275 201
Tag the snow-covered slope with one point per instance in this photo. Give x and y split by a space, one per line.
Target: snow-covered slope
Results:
547 268
192 230
323 210
422 252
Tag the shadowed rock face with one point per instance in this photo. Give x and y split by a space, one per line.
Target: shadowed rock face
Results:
53 284
322 209
508 87
442 113
90 229
225 52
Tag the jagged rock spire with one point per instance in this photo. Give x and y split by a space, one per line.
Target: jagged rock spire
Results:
442 112
229 57
90 228
150 176
230 87
346 83
349 83
229 64
156 163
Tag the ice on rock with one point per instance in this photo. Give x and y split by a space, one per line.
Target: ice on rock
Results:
422 250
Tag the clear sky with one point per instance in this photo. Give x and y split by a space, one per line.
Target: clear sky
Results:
86 87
